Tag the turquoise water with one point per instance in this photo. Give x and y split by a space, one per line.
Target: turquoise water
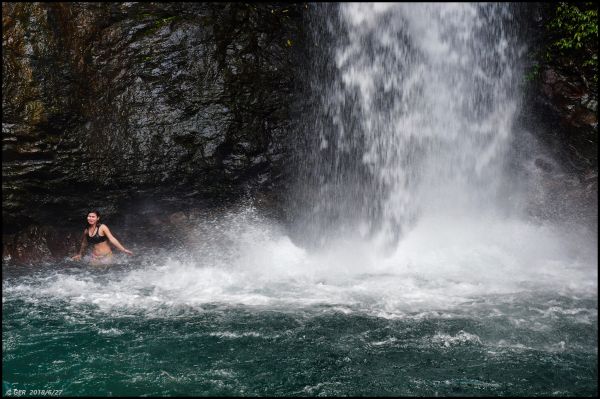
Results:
443 287
498 307
75 330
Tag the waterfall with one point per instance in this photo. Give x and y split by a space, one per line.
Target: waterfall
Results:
408 267
414 113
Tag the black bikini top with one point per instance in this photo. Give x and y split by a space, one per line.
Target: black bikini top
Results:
96 238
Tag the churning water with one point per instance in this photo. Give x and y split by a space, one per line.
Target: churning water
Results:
411 268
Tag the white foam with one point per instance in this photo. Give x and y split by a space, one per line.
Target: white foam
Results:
461 338
439 145
443 262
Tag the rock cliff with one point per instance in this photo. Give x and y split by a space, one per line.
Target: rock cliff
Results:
111 105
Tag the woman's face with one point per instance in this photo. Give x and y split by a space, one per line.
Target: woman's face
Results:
92 218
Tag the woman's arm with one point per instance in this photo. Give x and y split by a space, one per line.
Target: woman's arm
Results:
83 246
113 240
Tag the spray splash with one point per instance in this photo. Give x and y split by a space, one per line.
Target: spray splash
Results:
410 158
433 268
468 298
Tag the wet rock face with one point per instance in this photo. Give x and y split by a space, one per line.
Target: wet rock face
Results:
561 112
40 243
111 105
573 108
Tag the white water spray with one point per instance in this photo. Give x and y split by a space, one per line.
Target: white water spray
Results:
432 94
409 155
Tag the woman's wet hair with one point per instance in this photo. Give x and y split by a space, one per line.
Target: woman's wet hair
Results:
92 211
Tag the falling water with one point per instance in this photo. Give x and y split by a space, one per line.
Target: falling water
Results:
416 116
409 268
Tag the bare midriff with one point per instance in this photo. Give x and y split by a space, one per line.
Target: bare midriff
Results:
101 249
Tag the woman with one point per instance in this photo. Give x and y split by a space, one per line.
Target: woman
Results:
97 233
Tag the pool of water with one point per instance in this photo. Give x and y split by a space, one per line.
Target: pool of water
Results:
497 307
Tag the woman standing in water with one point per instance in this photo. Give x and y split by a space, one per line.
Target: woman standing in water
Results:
97 233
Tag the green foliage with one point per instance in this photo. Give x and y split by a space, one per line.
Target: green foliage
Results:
573 31
533 73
